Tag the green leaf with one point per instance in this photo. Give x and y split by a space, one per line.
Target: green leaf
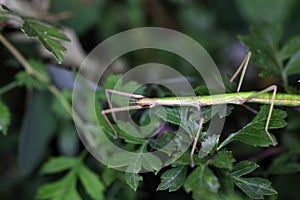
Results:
115 82
172 115
133 179
23 78
4 118
109 176
186 117
208 144
202 90
57 106
110 83
254 133
224 159
293 65
172 143
68 142
226 182
255 188
91 183
291 47
133 135
68 184
40 67
47 30
286 163
37 131
63 189
242 168
207 113
264 43
163 141
185 159
135 161
47 35
58 164
173 179
28 80
202 183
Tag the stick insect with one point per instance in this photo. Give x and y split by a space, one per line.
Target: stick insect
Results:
266 96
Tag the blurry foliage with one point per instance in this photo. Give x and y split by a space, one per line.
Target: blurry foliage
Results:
41 127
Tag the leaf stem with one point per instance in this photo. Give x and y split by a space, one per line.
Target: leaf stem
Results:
31 71
17 54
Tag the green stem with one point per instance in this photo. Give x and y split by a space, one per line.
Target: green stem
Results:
8 87
17 54
31 71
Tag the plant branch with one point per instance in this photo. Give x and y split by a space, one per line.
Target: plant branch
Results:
31 71
17 54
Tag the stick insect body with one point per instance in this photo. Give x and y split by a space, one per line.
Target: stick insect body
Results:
239 98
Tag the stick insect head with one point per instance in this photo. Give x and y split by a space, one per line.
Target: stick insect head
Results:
145 102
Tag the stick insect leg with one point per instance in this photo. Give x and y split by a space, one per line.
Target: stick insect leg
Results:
120 109
274 89
196 138
107 91
243 66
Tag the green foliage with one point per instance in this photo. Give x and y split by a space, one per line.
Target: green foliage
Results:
219 173
264 44
4 118
135 161
224 160
254 133
48 35
58 108
115 82
28 80
135 136
173 179
36 133
274 60
256 187
286 163
202 182
66 187
133 179
208 145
